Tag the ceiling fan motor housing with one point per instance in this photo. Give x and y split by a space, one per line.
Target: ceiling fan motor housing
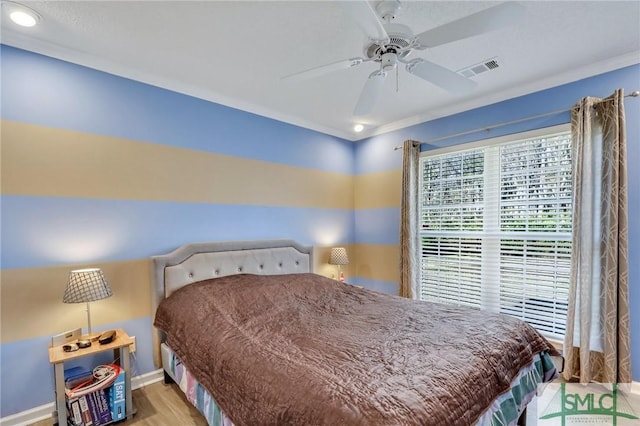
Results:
401 42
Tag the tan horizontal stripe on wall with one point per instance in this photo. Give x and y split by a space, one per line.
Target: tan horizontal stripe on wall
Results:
31 299
378 190
377 261
44 161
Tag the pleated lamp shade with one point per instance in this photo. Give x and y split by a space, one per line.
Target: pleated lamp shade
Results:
338 256
87 285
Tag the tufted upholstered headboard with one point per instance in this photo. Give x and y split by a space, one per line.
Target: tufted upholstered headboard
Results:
200 261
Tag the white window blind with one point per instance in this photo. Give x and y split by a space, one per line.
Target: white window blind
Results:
496 229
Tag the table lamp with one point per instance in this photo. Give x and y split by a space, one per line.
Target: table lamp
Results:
339 257
85 286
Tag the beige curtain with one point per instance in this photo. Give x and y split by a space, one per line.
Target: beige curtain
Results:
409 239
597 341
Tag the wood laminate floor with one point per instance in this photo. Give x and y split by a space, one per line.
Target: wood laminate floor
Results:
158 405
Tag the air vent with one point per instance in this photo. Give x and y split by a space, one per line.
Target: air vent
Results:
473 70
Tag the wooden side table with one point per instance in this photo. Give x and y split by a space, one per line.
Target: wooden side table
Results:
119 346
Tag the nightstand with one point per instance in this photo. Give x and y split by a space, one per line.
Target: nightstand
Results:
119 346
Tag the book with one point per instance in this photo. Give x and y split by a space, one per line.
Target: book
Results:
84 411
99 407
75 376
75 415
116 393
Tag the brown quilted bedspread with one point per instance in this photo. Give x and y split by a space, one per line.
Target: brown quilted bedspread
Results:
306 350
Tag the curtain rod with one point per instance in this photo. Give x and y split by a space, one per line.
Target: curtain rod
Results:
633 94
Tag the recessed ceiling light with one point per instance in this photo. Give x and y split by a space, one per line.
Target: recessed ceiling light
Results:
358 128
21 15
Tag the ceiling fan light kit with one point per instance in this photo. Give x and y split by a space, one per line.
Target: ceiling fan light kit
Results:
389 43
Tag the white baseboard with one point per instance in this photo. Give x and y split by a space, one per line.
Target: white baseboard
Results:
147 379
46 411
29 416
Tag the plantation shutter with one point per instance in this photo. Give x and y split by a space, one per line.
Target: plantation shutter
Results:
496 229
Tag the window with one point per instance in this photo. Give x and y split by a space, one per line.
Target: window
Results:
496 228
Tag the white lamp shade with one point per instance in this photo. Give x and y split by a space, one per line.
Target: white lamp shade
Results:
338 256
86 285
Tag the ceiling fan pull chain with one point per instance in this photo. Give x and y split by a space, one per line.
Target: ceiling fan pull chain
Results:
397 80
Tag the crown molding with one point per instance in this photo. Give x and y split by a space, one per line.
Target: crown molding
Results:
47 48
18 40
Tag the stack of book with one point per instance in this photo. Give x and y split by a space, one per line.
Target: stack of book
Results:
101 406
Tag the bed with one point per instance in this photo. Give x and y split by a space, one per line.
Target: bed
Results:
252 336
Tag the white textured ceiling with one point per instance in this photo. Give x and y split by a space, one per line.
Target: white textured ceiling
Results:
235 53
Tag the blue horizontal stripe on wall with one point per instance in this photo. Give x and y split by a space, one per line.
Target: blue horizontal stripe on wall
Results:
18 371
41 90
26 377
376 154
44 231
377 226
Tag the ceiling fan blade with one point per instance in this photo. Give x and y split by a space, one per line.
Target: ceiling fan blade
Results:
363 15
370 93
323 69
484 21
440 76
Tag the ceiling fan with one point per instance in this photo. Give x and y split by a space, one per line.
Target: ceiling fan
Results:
390 44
